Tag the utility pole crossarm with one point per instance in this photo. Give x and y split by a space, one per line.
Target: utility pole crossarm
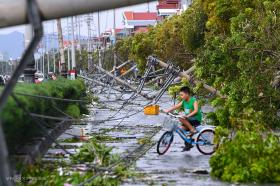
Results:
120 81
14 12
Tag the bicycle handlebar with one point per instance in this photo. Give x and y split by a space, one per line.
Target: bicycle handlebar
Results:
174 115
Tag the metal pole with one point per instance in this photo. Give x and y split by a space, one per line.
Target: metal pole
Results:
89 49
47 50
43 61
99 41
73 53
68 50
53 46
30 70
78 28
48 58
62 67
114 40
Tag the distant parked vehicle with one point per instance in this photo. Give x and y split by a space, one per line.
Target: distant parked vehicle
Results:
39 77
7 78
2 80
21 79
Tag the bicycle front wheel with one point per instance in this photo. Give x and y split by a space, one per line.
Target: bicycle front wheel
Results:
165 142
205 142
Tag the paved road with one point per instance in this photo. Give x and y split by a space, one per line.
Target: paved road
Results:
174 168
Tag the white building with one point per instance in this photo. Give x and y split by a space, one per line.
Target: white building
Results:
185 4
167 8
1 57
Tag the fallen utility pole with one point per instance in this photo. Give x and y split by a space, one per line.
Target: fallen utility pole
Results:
120 81
120 66
128 71
185 75
15 12
97 82
117 68
154 80
190 70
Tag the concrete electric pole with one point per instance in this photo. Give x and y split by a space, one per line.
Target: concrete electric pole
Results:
62 70
29 71
73 45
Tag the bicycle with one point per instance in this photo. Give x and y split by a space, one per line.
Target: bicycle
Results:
204 139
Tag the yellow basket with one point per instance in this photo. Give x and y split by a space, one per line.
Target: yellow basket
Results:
151 110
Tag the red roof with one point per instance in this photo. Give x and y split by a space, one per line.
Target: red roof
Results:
167 6
169 1
129 15
117 30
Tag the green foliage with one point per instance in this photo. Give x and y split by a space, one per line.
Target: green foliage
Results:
19 128
93 151
174 90
227 63
236 49
59 174
73 110
193 22
53 174
249 157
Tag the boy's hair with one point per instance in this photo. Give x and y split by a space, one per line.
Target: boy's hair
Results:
186 90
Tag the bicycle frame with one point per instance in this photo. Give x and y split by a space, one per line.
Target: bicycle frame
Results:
182 133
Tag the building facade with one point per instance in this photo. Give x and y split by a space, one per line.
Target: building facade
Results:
168 8
135 22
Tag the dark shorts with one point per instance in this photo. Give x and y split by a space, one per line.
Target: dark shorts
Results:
194 123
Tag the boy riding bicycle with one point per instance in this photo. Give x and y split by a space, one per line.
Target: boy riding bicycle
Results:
192 113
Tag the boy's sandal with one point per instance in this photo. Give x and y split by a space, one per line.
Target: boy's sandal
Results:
193 133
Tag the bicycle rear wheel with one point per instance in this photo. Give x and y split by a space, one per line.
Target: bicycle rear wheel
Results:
205 142
165 142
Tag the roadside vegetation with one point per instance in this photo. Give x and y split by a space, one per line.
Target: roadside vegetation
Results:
20 128
94 154
234 46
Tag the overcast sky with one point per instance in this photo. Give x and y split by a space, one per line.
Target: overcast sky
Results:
106 20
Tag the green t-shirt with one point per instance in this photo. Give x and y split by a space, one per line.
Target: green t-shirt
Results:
189 107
